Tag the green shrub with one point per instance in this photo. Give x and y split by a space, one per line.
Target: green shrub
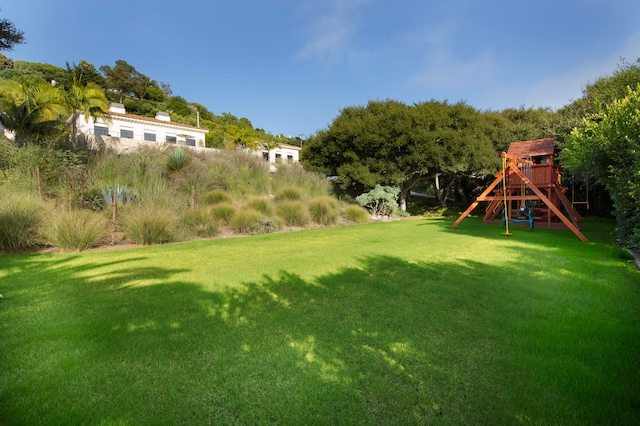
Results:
293 213
261 204
324 210
216 196
289 193
149 225
224 212
76 230
245 220
381 200
265 226
201 222
20 220
356 214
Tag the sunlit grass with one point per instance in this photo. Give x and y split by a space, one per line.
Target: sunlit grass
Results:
406 322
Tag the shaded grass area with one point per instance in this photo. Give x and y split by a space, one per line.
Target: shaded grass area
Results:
397 323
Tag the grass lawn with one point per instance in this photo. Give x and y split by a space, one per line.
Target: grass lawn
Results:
407 322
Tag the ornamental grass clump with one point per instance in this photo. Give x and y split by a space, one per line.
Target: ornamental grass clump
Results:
261 204
200 222
76 230
224 212
293 175
293 213
288 193
216 196
20 219
245 220
324 210
150 225
355 214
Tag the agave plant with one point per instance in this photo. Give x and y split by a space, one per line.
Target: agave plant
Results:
122 197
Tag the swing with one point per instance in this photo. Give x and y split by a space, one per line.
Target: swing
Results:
573 192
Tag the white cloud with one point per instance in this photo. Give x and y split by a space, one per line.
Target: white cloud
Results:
330 34
441 67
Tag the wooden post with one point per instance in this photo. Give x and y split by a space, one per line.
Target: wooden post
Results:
113 219
39 183
70 195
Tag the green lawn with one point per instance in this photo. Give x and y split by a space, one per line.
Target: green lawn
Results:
407 322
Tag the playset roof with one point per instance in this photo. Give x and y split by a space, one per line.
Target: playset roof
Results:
533 148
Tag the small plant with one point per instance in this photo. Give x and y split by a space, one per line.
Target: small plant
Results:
355 214
216 196
324 210
265 226
122 195
145 225
76 230
293 213
20 218
289 193
177 159
245 220
381 200
223 212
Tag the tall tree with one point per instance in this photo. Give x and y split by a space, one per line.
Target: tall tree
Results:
32 110
392 144
124 79
9 35
84 72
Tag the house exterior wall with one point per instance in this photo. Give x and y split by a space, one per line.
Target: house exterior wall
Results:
137 128
127 132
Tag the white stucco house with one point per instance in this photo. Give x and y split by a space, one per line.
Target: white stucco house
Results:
126 132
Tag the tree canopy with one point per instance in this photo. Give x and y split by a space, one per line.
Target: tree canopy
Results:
393 144
606 146
32 110
9 35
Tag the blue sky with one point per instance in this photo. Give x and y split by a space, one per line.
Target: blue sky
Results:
290 66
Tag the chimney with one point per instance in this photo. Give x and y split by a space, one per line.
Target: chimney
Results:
118 108
162 116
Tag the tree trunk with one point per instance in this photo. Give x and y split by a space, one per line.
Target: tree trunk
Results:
463 196
443 189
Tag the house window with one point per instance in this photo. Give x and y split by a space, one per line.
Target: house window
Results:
278 158
150 137
101 130
171 139
289 158
265 156
190 142
124 133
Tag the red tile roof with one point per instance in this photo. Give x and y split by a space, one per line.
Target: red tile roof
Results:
154 120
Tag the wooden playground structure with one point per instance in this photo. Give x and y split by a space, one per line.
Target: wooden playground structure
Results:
528 190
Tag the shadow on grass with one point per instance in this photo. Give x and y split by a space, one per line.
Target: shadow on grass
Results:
387 342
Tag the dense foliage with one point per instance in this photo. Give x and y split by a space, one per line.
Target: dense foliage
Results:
393 144
606 146
161 195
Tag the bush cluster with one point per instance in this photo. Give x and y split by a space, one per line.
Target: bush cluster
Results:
162 195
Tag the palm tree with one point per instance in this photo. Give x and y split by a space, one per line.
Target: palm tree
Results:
88 100
31 109
244 137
